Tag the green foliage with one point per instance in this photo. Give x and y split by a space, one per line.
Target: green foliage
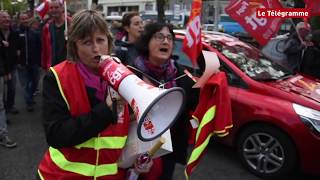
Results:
14 6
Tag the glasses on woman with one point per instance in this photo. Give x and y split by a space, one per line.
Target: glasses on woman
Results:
161 37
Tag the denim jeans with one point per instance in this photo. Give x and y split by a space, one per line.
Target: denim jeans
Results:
29 76
3 118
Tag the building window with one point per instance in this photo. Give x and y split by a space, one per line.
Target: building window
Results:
149 6
211 10
133 8
113 11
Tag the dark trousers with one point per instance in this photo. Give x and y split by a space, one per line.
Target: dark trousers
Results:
29 77
168 166
10 91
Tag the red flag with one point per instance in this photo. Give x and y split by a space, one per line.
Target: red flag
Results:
192 45
43 8
313 6
244 12
213 114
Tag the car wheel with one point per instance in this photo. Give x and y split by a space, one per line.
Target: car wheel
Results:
266 151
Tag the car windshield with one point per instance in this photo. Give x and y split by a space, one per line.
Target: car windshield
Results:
250 60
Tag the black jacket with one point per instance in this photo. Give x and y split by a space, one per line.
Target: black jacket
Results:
3 59
30 46
179 131
63 130
125 51
9 54
310 64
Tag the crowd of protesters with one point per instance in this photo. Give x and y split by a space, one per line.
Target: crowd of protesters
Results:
20 49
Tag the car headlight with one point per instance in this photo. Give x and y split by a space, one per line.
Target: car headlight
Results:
309 116
220 28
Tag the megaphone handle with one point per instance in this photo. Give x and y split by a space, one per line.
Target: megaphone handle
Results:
157 146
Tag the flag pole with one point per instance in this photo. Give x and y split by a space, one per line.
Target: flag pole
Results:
65 20
216 15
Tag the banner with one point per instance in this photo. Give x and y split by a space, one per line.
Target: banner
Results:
192 44
214 116
43 8
313 6
244 12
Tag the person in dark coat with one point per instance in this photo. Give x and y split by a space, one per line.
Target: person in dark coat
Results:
11 51
29 60
124 46
4 75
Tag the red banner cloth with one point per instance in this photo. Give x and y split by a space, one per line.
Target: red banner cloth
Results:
192 45
213 114
244 12
313 6
43 8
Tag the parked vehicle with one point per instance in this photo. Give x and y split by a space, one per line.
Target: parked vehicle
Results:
178 20
276 114
229 26
208 27
110 19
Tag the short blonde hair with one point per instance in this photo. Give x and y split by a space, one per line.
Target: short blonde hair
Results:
85 23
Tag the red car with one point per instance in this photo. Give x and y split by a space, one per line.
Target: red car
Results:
276 113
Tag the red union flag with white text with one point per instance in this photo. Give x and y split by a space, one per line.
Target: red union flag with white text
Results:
244 12
192 45
313 6
43 8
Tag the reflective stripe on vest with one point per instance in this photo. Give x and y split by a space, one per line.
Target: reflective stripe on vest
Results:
207 118
197 151
84 169
81 168
60 87
40 175
104 142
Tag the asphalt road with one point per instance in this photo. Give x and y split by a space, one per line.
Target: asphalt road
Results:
20 163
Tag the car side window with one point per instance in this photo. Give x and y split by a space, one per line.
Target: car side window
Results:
181 58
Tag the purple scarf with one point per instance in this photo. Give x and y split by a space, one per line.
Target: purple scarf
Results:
165 73
94 81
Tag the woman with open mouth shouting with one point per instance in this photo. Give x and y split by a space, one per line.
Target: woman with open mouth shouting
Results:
85 135
155 66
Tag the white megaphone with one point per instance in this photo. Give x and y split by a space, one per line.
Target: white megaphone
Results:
155 109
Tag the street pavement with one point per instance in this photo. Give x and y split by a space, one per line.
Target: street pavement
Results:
20 163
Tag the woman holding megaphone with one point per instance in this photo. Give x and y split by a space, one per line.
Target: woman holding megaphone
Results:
84 132
155 65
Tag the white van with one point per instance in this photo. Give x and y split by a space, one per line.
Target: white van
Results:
109 19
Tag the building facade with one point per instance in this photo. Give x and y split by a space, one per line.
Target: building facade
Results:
119 7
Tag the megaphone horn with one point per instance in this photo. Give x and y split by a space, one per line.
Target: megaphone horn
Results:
155 109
